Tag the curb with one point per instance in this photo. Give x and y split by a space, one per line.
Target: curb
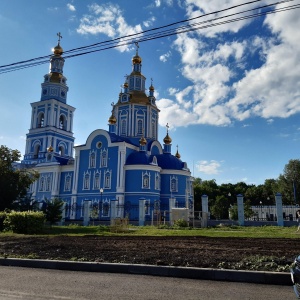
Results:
276 278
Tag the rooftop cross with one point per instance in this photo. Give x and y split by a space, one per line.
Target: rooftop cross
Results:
137 47
59 37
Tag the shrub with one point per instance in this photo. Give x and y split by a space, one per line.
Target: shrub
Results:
2 218
181 223
27 222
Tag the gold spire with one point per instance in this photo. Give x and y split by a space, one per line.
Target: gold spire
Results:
167 139
177 153
151 88
112 119
136 59
58 50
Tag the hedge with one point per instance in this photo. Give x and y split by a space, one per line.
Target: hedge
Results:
26 222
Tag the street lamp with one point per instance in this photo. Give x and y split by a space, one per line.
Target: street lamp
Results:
101 192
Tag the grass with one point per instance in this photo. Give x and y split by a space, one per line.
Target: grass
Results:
220 231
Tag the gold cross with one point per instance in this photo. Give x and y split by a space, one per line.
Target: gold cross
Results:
59 37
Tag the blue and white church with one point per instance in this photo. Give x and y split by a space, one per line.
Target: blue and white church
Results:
120 172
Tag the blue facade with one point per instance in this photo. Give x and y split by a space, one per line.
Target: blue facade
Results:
116 169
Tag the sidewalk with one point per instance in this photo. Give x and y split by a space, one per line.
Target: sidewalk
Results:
277 278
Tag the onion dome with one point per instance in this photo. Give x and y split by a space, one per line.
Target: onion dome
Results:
58 50
126 85
167 139
169 161
136 59
112 120
151 88
143 141
50 149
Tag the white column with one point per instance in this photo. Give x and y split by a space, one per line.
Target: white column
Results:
142 203
86 216
240 204
278 200
205 212
113 210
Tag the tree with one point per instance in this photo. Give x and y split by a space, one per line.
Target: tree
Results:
220 208
14 182
289 182
53 210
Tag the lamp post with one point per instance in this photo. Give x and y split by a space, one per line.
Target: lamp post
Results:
260 202
101 192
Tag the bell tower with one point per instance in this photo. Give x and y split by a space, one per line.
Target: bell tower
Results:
50 137
136 113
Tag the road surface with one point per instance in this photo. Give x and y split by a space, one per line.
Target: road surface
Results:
27 283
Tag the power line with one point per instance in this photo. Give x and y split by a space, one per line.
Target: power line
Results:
147 36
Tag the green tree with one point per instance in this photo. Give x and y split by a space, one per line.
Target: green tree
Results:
289 182
53 210
14 182
220 207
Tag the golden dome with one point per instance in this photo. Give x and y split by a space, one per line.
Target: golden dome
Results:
167 139
136 59
112 120
143 141
58 50
151 88
50 149
126 85
177 154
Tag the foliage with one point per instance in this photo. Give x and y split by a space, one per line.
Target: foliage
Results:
53 210
288 184
28 222
181 223
14 182
220 208
2 218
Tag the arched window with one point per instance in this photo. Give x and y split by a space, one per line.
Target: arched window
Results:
123 127
140 127
97 181
107 180
174 184
146 181
62 122
67 183
157 181
93 160
153 130
42 183
36 150
41 120
86 181
103 158
48 183
61 150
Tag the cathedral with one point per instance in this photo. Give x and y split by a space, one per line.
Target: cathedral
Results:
120 172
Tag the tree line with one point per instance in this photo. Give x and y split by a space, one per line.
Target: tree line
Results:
222 197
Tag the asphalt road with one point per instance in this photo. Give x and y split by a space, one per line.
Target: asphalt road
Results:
28 283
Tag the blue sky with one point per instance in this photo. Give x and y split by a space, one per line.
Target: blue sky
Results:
230 93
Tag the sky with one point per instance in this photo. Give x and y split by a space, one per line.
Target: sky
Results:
230 93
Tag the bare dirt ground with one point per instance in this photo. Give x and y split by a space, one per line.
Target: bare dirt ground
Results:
202 252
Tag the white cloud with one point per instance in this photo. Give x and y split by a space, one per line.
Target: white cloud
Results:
208 167
108 19
165 56
224 84
157 3
71 7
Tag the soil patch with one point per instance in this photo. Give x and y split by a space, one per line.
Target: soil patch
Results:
202 252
